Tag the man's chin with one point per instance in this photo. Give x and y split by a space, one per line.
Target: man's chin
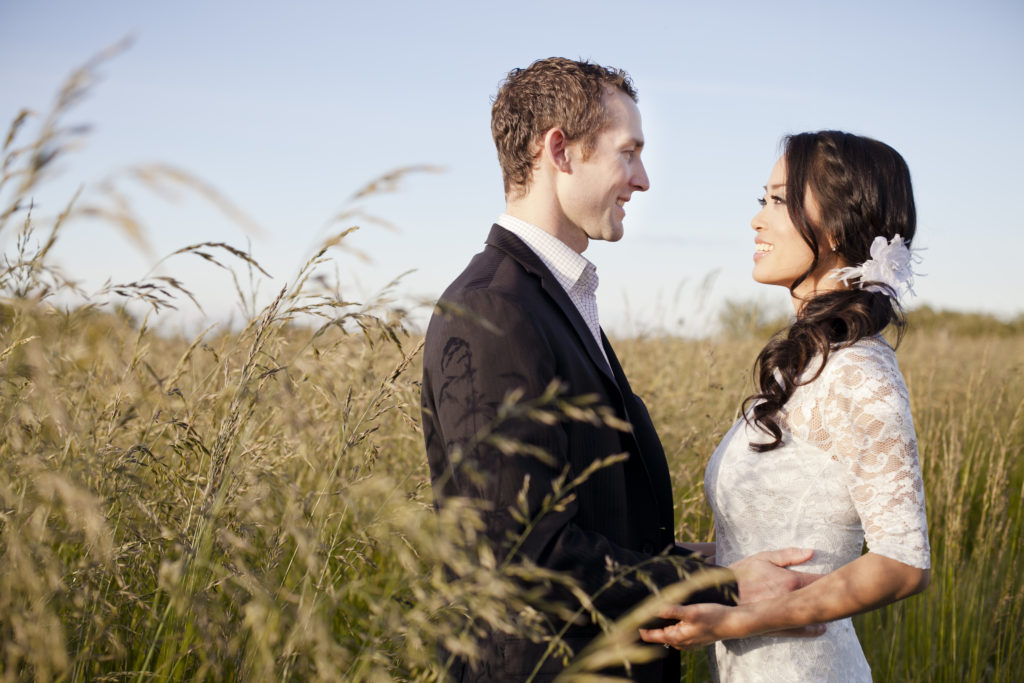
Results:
606 233
612 233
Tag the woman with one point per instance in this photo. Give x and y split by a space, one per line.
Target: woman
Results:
825 456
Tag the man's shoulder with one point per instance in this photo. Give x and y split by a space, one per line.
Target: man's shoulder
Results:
496 271
494 289
494 295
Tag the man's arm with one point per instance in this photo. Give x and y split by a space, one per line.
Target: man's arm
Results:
705 550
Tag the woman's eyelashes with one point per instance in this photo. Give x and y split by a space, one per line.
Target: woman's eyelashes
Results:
775 199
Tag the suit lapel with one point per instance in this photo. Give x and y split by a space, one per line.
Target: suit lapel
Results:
652 459
505 240
502 239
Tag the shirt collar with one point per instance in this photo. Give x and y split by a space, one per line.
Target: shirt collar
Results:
569 267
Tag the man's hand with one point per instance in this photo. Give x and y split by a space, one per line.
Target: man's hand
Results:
763 576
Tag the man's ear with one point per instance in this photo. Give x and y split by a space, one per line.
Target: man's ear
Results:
556 148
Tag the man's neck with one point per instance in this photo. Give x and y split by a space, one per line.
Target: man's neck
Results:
547 216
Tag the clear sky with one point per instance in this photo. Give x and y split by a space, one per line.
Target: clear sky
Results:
289 108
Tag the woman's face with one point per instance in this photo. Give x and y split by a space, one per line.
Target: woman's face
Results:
780 253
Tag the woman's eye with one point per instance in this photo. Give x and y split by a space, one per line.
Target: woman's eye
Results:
762 202
778 200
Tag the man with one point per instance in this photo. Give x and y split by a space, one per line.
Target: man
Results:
523 315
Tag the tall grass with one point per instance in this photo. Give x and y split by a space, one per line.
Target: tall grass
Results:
968 401
249 505
255 504
246 505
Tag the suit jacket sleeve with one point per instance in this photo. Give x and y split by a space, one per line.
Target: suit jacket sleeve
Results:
479 449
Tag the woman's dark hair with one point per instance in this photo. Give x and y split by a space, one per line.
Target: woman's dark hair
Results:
862 187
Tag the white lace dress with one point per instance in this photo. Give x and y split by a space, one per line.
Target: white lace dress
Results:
847 472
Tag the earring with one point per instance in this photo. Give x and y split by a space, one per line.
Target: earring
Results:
834 247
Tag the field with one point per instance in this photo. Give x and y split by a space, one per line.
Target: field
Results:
254 505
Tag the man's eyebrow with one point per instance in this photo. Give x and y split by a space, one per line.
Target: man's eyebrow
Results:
638 143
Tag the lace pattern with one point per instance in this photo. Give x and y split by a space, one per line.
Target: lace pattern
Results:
847 473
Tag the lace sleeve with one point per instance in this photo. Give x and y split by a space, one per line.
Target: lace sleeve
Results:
866 414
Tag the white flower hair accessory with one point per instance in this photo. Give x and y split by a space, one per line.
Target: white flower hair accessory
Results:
891 264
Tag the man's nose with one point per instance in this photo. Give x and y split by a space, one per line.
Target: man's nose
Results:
640 180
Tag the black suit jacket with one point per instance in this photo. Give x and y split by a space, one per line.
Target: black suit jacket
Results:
506 324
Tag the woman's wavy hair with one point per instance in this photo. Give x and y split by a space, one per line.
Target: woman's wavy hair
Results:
863 189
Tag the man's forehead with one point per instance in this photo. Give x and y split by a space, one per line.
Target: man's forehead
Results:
622 120
616 99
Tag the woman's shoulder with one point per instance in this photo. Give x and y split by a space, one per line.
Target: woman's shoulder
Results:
866 354
869 352
867 362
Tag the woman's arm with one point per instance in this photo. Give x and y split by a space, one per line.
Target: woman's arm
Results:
865 415
869 582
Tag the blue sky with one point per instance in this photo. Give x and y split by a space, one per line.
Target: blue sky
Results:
288 108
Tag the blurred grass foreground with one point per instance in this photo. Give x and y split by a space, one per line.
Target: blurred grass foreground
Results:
254 505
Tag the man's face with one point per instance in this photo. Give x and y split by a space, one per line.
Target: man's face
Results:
593 195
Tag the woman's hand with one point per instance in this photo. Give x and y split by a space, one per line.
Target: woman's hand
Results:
867 583
697 625
762 576
703 624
